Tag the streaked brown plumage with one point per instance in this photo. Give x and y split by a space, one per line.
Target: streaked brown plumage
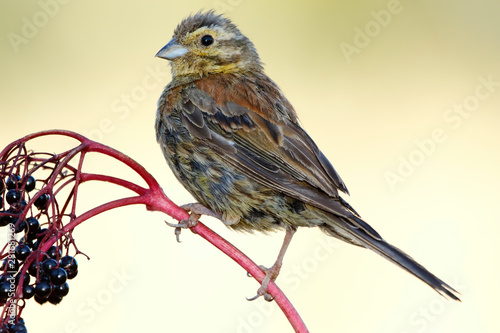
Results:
233 140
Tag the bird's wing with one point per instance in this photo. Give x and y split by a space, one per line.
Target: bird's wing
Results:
276 153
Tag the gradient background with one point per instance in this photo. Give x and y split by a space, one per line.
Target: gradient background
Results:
365 114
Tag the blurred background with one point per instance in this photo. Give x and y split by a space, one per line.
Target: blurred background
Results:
403 97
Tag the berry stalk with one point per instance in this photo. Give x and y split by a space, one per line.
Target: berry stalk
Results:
41 192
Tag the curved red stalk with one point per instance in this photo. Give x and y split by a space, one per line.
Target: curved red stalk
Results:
152 197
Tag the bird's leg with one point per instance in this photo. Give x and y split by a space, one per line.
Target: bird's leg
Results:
196 211
273 272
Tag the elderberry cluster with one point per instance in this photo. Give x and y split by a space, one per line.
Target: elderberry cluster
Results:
52 275
46 277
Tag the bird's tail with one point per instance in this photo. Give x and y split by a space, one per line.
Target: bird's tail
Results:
358 232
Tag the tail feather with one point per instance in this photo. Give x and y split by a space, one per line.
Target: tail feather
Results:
347 231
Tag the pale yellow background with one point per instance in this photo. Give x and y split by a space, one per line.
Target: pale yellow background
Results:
365 114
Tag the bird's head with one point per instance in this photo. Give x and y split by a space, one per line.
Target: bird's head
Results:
207 43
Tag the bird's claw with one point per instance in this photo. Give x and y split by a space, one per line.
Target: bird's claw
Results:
196 210
262 291
190 222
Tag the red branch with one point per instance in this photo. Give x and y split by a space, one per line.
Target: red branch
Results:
153 198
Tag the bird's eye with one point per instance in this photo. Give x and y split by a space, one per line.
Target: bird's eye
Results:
207 40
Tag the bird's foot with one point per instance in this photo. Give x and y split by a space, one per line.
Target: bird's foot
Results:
190 222
196 210
271 275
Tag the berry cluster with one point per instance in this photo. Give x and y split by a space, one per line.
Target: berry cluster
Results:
49 276
35 263
39 211
49 269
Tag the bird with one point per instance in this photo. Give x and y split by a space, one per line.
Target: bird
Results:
234 141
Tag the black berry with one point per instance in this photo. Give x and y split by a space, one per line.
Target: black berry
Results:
13 182
43 289
28 292
68 263
5 289
53 252
26 279
20 227
11 265
45 277
32 225
54 299
33 269
41 201
39 299
70 266
61 290
58 276
48 265
13 196
72 274
6 219
30 184
22 251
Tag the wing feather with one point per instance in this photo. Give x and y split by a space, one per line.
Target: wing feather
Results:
275 152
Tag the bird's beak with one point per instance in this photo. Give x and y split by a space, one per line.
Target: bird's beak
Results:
172 50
